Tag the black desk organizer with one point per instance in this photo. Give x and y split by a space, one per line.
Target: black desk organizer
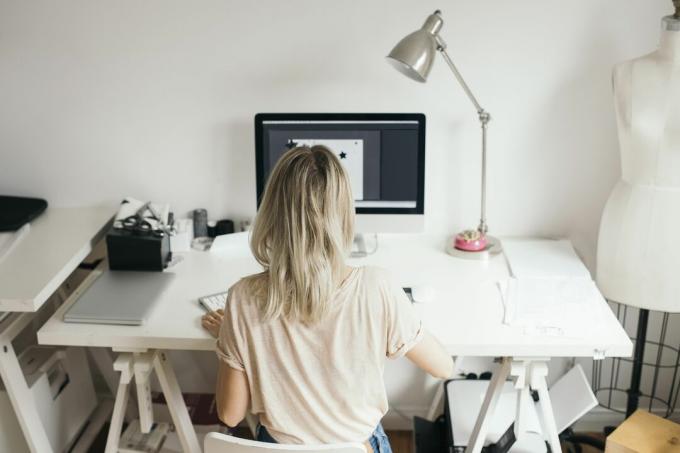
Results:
137 251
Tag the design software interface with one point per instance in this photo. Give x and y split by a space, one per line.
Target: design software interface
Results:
384 158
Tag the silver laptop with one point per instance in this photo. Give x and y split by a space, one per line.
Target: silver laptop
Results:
119 297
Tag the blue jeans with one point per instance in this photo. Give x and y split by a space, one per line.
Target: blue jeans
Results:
378 440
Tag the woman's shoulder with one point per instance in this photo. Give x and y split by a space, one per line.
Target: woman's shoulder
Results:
376 276
249 289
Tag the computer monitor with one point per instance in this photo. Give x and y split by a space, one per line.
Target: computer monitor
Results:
383 153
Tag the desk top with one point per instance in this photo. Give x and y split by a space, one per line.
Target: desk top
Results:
58 240
466 314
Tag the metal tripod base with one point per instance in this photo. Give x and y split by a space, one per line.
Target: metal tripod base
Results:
493 247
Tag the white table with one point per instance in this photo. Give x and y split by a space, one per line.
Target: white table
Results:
56 243
465 316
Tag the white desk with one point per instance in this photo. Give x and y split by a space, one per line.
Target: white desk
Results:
56 243
58 240
466 317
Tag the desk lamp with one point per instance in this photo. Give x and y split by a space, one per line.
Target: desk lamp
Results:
413 56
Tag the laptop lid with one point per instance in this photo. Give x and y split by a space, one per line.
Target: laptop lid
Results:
119 297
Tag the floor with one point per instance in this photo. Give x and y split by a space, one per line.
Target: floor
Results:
401 442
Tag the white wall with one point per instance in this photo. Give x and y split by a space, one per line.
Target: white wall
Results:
155 99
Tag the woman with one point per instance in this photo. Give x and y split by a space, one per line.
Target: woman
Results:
304 342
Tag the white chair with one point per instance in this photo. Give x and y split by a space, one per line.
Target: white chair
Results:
221 443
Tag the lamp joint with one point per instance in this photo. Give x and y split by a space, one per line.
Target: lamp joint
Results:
441 44
484 117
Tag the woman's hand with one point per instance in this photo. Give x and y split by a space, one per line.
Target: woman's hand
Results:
212 321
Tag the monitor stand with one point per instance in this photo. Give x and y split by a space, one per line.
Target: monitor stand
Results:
359 249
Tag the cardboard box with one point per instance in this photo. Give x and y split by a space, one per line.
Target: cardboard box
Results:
643 432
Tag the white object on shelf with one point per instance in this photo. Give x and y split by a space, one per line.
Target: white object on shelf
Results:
572 397
61 387
569 398
180 241
465 401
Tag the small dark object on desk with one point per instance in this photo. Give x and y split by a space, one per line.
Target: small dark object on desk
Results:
200 217
15 212
225 226
137 251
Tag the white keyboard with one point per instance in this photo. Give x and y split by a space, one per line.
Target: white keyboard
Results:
213 302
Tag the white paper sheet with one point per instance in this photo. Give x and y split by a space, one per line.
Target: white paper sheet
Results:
536 258
550 290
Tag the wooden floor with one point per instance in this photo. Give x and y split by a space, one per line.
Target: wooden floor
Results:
401 441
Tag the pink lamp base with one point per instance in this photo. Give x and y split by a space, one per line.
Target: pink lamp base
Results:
470 241
471 247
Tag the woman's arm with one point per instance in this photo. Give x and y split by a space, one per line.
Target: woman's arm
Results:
232 396
430 356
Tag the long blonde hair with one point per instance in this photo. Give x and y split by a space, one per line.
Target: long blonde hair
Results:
302 233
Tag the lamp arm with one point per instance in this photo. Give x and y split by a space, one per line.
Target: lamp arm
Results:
484 118
441 47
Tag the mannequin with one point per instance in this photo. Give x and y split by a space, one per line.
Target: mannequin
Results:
639 243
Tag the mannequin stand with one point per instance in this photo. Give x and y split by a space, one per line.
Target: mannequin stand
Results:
608 383
653 357
638 356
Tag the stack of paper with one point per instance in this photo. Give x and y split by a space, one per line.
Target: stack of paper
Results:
549 289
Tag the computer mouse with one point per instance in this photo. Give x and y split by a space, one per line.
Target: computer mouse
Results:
422 293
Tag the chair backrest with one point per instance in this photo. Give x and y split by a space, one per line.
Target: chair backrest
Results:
221 443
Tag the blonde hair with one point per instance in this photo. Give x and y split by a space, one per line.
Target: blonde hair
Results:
302 233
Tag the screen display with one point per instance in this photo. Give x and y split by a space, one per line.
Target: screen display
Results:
382 158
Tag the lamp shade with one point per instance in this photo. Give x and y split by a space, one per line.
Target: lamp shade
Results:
413 56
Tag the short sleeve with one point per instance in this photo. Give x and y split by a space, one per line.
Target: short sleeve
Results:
404 327
228 345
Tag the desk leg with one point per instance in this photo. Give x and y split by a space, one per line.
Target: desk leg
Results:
493 393
22 399
176 405
124 364
539 372
104 361
143 367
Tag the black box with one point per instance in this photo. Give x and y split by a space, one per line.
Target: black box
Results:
137 251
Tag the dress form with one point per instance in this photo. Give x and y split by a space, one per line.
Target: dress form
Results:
639 241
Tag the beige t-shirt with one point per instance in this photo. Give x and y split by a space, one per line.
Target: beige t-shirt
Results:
321 383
